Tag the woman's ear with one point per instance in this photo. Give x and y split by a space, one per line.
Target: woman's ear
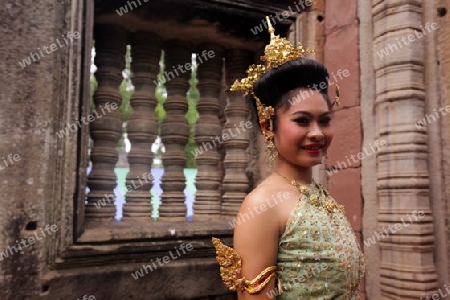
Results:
266 126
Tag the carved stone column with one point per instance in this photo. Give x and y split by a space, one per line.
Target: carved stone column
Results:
371 282
175 130
142 126
407 268
235 182
106 130
444 76
208 133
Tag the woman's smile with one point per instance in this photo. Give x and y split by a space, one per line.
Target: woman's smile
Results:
313 149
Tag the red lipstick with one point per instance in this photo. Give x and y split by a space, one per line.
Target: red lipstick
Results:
313 149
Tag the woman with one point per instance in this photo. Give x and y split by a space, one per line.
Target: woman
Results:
303 247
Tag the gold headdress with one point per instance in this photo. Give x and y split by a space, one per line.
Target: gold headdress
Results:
278 52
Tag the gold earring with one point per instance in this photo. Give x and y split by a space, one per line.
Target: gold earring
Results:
336 98
271 152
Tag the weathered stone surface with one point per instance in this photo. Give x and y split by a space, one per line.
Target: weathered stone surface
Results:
175 132
443 56
342 62
142 126
345 187
235 183
106 130
33 98
368 120
347 139
208 128
339 17
403 170
174 280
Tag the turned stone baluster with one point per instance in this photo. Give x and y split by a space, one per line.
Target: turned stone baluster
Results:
142 126
175 129
208 132
106 129
235 183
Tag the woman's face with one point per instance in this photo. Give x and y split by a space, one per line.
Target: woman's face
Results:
304 129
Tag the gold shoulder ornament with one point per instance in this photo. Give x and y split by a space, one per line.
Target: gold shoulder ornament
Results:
230 270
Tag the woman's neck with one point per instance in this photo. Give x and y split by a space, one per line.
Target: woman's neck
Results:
293 172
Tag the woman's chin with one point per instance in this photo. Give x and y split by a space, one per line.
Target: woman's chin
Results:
309 163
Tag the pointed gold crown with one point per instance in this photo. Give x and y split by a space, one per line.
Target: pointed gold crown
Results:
278 52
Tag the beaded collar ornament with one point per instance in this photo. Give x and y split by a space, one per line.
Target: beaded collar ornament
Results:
328 204
278 52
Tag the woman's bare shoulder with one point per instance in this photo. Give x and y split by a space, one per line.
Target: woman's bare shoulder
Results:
266 192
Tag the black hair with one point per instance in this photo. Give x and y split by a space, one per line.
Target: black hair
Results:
299 73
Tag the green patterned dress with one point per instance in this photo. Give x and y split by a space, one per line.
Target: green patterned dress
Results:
318 256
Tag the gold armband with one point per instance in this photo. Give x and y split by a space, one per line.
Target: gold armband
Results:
230 270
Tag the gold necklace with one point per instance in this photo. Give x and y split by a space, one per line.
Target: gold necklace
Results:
329 204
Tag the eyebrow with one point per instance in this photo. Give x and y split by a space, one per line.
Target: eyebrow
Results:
299 112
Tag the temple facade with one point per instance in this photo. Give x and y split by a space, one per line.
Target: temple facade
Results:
64 63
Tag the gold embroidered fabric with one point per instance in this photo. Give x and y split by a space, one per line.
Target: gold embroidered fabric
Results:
230 270
318 253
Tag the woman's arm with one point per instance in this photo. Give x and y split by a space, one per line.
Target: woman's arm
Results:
256 240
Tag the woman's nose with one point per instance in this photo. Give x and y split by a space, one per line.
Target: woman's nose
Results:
315 132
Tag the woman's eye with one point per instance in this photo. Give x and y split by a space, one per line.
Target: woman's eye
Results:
302 120
325 120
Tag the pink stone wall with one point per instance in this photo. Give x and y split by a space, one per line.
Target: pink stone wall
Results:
342 53
341 56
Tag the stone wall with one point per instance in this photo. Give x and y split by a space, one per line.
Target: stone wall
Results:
341 56
35 104
368 184
39 183
443 56
400 86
